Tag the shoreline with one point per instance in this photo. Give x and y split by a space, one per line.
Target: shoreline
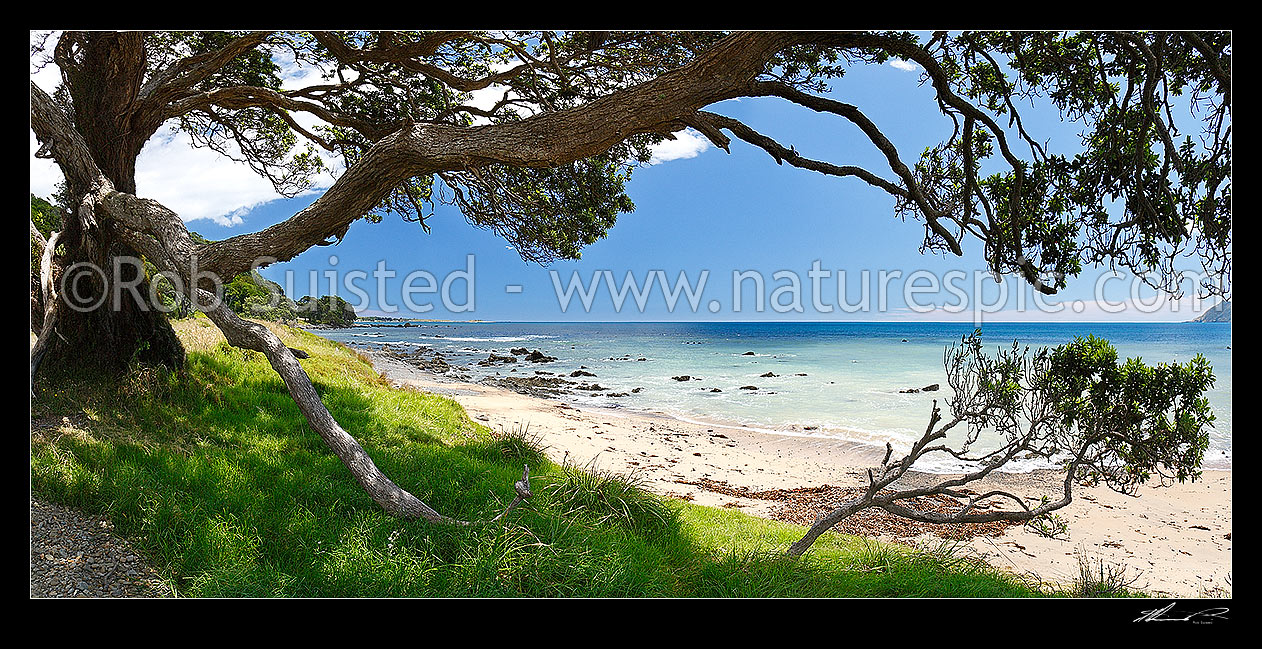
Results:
1178 537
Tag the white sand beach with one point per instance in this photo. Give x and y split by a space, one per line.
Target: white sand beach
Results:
1177 538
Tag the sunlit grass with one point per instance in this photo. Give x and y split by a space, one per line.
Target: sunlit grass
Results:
215 476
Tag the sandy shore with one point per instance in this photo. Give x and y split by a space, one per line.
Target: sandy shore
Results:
1178 538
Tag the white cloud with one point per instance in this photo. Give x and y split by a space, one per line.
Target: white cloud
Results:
194 183
687 144
199 183
904 65
44 173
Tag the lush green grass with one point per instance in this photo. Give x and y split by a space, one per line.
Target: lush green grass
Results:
213 473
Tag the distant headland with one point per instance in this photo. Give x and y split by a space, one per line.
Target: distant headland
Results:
1220 313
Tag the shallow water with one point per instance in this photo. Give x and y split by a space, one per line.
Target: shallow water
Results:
853 371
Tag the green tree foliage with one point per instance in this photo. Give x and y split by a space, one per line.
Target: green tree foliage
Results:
47 219
45 216
1110 421
1142 419
1149 182
253 296
329 311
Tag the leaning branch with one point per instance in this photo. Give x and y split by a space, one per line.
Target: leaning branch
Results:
52 303
879 494
784 154
882 143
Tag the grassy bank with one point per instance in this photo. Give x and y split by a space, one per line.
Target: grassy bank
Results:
213 474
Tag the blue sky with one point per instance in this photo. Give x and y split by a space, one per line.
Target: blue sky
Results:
702 210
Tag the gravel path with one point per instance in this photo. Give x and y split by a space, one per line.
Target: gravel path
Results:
76 555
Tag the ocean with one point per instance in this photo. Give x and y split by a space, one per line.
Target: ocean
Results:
839 380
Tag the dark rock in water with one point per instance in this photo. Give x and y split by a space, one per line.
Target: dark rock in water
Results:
904 340
683 377
930 388
749 387
535 386
909 391
539 357
749 354
496 358
715 390
577 373
800 374
768 375
641 359
616 394
518 351
428 360
590 387
635 390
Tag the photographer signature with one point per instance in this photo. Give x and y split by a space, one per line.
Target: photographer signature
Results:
1206 616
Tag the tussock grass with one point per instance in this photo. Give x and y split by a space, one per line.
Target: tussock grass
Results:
1100 578
606 497
212 472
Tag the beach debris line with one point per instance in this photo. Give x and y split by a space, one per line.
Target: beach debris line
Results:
803 505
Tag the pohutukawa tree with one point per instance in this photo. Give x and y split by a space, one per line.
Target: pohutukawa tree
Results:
546 165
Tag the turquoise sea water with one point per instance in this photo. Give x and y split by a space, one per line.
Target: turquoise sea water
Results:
853 371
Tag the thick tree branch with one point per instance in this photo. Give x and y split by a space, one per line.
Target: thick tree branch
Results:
188 72
544 140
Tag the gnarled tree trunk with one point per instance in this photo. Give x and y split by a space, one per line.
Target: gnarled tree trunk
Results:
94 264
105 339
